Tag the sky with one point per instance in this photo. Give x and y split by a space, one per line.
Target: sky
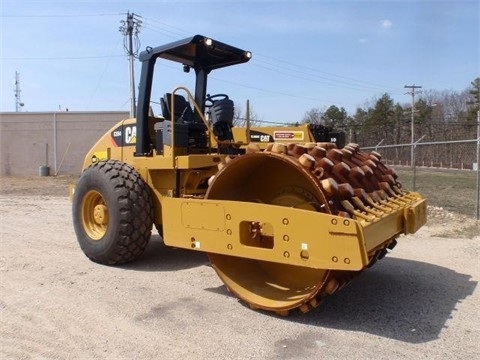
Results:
306 54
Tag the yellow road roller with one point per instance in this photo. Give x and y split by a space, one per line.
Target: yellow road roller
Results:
284 223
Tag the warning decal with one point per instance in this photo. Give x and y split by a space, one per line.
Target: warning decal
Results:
288 135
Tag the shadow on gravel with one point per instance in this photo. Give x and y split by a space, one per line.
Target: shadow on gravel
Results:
159 257
399 299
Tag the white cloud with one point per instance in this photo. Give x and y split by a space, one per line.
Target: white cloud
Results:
386 24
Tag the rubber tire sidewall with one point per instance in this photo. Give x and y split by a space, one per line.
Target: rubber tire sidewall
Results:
127 233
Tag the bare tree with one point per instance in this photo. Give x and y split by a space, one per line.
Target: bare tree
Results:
240 117
314 116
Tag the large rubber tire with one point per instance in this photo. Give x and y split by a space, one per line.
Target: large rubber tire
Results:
112 213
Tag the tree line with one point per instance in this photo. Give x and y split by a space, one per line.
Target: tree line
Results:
438 116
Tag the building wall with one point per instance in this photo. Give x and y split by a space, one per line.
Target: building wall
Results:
58 140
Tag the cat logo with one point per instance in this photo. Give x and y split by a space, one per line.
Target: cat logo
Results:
130 135
257 136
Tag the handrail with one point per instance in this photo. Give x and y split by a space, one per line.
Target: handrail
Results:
204 120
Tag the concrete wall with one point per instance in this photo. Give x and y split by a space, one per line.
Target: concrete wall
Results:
31 140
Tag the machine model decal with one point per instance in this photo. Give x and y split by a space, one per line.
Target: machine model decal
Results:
125 135
288 135
258 136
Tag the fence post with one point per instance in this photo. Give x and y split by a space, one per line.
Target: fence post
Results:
438 160
414 165
414 168
55 142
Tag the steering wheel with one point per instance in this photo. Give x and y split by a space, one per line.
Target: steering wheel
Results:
210 99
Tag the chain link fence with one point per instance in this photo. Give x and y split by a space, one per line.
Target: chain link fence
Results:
446 172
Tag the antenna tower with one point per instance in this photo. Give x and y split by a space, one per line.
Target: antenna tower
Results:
18 101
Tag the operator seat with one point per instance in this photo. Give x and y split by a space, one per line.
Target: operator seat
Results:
197 138
183 111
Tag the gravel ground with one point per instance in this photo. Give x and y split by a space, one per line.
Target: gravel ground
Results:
421 301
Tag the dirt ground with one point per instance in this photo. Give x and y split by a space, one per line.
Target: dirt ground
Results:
421 301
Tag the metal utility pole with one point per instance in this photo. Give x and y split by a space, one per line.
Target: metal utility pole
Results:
412 92
476 103
130 29
18 101
478 165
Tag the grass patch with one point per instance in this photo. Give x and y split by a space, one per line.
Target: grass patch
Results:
452 190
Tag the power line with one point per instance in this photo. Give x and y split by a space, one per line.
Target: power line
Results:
281 66
99 81
58 15
60 57
320 79
289 95
160 26
325 75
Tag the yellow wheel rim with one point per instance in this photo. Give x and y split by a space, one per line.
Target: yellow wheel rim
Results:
94 215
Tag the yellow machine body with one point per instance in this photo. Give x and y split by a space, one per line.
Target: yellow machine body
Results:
297 237
285 220
274 254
